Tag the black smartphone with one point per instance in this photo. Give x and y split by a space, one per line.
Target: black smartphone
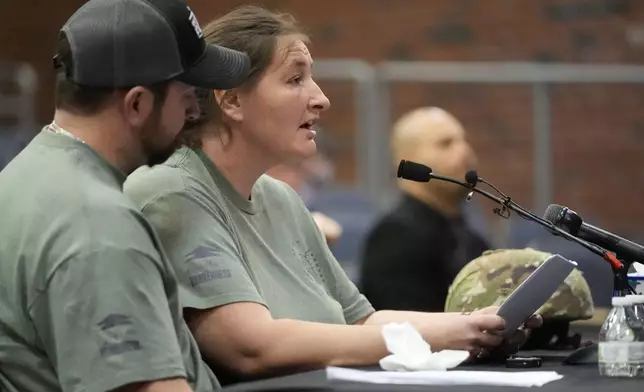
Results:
523 362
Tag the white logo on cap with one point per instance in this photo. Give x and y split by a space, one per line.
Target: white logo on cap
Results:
195 23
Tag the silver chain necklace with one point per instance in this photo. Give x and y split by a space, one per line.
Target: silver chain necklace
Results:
57 129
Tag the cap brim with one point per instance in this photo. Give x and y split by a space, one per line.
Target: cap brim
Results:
220 68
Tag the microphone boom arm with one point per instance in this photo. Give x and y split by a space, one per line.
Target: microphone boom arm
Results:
508 204
619 269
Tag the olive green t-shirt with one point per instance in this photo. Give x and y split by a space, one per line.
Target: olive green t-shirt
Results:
88 300
226 248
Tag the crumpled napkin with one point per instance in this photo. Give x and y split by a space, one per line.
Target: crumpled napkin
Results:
410 352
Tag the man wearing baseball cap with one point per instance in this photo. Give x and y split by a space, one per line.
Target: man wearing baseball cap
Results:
88 300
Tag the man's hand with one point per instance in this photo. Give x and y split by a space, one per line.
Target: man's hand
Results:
329 227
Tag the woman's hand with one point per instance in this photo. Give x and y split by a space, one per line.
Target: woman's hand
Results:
513 343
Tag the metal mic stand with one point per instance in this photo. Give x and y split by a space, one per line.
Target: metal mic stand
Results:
588 354
583 355
507 205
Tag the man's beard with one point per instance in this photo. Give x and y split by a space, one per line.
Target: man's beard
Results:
158 157
156 154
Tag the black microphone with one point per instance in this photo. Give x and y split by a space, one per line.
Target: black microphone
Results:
472 178
414 171
418 172
570 221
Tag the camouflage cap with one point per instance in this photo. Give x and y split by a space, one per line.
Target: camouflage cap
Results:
489 279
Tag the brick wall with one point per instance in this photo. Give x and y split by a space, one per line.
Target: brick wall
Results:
597 131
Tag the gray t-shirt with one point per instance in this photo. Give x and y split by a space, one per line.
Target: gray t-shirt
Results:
88 300
228 249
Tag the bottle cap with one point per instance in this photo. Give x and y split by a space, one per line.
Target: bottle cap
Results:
621 301
636 298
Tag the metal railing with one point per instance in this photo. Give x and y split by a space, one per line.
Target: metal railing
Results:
363 76
536 74
374 106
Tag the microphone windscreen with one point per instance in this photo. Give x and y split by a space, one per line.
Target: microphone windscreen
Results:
472 177
553 213
414 171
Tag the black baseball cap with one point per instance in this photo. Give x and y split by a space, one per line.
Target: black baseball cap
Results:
125 43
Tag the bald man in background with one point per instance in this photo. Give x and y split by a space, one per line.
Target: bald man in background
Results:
413 252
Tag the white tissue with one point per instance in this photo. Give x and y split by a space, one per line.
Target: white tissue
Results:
410 352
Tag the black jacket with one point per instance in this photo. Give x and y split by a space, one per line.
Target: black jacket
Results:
412 255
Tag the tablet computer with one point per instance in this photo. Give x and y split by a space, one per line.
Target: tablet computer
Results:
535 290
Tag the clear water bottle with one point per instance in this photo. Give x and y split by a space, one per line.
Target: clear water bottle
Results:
621 339
638 307
636 322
